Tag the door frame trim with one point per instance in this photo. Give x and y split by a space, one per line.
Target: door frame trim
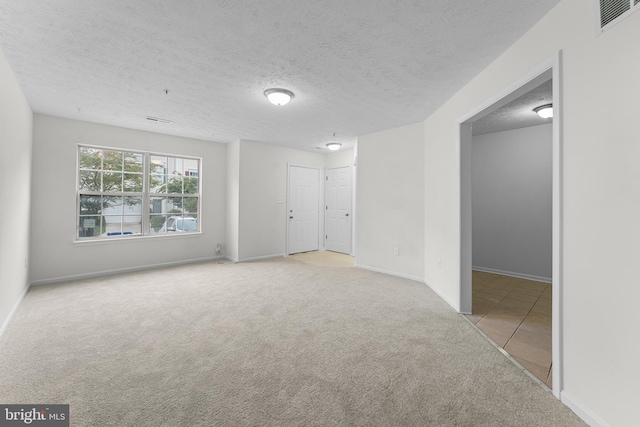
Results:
552 67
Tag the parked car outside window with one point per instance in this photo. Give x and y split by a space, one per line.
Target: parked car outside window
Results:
179 224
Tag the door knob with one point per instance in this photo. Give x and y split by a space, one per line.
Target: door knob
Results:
346 214
290 217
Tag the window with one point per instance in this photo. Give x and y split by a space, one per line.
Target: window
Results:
174 194
116 188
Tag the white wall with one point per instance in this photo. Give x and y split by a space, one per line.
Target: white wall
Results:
390 201
56 255
233 200
601 199
263 197
16 121
511 189
339 159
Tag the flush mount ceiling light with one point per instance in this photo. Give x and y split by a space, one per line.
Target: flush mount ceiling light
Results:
278 96
545 111
333 145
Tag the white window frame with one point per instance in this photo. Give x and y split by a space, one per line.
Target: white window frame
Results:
146 194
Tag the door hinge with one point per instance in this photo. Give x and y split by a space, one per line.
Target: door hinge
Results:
326 236
326 178
326 208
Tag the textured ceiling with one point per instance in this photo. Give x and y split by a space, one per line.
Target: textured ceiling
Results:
356 66
518 113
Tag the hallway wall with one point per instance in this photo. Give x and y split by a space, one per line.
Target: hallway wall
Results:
511 193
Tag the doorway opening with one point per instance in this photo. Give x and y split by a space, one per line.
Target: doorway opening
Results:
549 71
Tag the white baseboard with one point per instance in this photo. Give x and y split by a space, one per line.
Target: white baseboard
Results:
582 411
258 258
13 311
513 274
454 305
390 273
121 270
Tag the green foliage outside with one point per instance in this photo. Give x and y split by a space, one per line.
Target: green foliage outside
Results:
178 185
122 172
107 171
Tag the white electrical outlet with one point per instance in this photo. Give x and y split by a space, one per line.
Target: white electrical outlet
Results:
396 251
218 248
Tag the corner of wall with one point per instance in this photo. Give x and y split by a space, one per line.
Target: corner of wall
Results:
16 134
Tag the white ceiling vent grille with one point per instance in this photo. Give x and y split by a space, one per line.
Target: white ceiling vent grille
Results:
614 11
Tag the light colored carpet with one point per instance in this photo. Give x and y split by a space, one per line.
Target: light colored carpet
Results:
325 258
270 343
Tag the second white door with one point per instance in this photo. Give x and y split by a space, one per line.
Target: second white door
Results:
338 213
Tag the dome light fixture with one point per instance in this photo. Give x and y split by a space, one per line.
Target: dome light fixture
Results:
545 111
278 96
333 145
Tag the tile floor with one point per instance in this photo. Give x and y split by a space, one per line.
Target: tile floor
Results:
516 314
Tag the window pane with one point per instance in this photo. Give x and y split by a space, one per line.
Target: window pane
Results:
132 182
176 224
90 205
158 165
174 205
175 184
132 225
112 160
112 205
133 205
187 223
156 222
112 182
191 186
90 158
174 166
113 225
89 181
156 205
190 204
158 174
157 183
90 226
191 167
133 162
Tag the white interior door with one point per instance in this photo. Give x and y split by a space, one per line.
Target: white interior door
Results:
303 211
338 210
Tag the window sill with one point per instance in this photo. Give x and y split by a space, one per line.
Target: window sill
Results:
129 238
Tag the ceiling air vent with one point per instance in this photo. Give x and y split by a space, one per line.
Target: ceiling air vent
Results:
613 11
157 119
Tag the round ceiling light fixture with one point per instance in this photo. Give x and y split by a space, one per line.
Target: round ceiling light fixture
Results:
545 111
333 145
278 96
